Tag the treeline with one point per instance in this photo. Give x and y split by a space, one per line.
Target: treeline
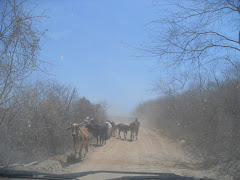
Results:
33 123
205 115
34 115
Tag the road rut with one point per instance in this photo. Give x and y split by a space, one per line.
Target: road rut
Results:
151 153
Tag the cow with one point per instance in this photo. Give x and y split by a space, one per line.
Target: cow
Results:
124 128
109 129
99 131
134 128
94 129
103 133
114 128
80 139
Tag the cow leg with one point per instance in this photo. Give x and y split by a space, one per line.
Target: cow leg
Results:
102 139
99 137
76 154
113 133
136 134
80 153
86 150
75 149
119 134
106 137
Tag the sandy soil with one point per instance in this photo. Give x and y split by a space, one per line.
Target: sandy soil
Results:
151 153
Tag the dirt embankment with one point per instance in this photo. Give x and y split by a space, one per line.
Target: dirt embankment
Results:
151 153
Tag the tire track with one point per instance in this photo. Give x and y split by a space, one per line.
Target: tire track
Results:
150 153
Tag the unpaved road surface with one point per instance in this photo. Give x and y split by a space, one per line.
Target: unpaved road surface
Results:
150 153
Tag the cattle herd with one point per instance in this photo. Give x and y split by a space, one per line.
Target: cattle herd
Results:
101 131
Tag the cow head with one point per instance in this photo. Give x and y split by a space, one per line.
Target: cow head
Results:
137 122
75 129
89 127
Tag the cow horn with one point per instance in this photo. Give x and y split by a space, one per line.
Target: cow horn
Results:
81 123
69 126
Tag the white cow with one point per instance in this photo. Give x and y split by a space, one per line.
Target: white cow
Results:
109 132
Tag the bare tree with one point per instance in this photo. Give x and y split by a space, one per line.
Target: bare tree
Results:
20 36
197 46
195 34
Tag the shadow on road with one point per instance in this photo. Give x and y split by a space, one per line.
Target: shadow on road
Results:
128 140
138 175
96 145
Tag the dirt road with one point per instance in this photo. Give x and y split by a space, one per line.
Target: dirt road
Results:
150 153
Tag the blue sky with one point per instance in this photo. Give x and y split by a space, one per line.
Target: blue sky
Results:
90 43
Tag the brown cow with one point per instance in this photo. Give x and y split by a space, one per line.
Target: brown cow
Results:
134 127
80 139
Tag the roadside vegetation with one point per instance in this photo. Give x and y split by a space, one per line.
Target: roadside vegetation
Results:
197 50
196 45
205 116
34 114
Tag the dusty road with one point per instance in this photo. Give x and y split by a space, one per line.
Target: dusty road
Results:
150 153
